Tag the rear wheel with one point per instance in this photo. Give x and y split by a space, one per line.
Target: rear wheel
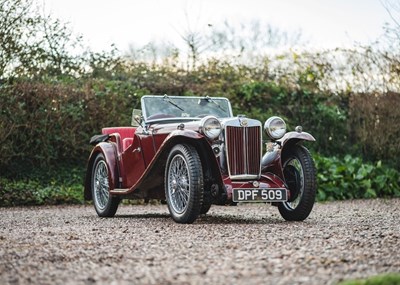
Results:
184 183
104 203
300 177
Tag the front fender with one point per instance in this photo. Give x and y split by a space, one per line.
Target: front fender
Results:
109 152
176 137
151 182
158 163
272 161
295 137
211 169
292 138
183 133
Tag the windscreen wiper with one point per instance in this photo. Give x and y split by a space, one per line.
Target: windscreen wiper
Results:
167 99
209 99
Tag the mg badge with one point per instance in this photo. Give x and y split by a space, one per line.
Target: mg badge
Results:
244 122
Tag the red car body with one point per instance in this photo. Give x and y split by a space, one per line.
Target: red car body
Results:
233 168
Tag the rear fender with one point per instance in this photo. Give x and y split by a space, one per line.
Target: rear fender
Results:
110 154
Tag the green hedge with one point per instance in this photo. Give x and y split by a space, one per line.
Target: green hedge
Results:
46 120
43 122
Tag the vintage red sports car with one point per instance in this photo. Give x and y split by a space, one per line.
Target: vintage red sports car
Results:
192 152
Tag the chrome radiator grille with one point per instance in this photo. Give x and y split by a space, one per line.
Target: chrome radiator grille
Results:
243 150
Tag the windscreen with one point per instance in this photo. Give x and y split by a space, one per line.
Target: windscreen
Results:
168 107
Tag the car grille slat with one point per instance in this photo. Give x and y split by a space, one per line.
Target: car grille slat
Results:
243 151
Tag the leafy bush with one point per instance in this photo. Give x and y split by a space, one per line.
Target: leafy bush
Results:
351 178
61 185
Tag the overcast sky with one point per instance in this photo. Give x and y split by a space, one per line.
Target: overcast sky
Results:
325 23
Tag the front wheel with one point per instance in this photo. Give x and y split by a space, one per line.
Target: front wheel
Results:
300 177
184 184
104 204
206 205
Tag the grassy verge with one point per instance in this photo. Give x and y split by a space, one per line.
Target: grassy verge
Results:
384 279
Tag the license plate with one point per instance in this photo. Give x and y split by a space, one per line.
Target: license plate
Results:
259 195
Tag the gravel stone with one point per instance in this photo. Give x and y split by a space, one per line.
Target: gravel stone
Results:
247 244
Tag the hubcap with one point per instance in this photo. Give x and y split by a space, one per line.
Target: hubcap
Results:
101 186
178 184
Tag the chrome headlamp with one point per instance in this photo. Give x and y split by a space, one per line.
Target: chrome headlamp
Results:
211 127
275 127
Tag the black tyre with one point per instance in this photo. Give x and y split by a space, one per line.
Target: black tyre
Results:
206 205
300 177
184 183
104 203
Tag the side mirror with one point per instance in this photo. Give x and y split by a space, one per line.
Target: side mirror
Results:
136 118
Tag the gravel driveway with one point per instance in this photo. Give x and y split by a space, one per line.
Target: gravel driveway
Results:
247 244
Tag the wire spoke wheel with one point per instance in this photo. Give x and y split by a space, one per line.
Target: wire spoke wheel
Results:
184 183
101 195
178 184
104 203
